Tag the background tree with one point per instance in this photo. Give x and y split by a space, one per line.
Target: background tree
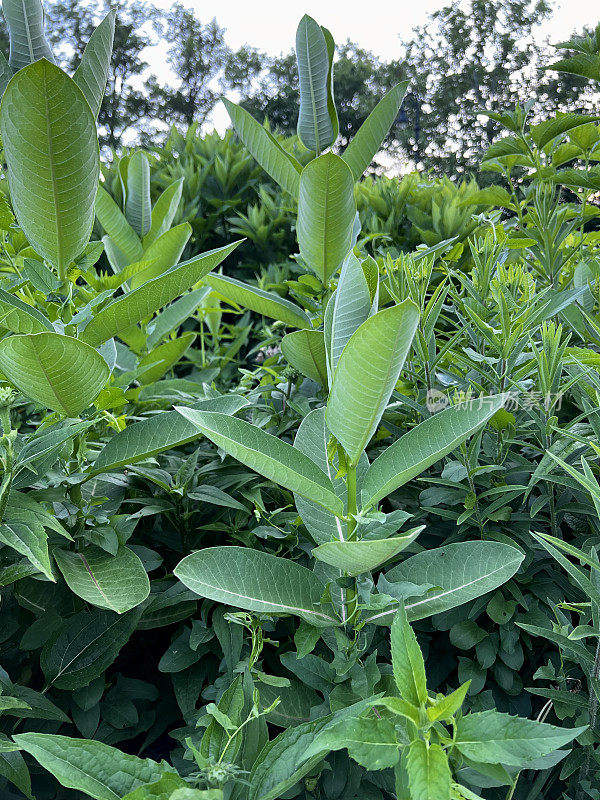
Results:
197 56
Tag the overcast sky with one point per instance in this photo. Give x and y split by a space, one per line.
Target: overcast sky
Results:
270 25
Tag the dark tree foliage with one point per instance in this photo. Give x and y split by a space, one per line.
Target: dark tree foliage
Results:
197 56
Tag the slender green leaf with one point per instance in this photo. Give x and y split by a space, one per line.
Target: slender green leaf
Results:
163 357
267 455
255 581
20 317
92 73
315 127
62 373
281 166
126 311
25 22
164 211
154 435
366 374
138 208
268 304
51 148
370 136
29 538
162 254
425 444
351 307
407 661
116 226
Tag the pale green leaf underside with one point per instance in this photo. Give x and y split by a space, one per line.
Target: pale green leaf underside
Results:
255 581
25 22
158 433
354 558
281 166
92 73
366 144
116 226
60 372
366 374
267 455
51 148
20 317
268 304
126 311
138 208
315 127
458 573
326 211
425 444
305 351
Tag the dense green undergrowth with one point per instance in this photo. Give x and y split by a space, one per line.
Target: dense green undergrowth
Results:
299 487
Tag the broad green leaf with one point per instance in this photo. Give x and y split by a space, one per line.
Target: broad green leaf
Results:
126 311
267 455
326 211
351 307
315 127
276 162
92 73
162 254
159 790
25 22
305 351
370 741
370 136
163 357
138 208
366 374
156 434
268 304
355 558
428 771
491 737
457 573
117 582
62 373
95 768
549 129
85 646
425 444
51 148
29 538
116 226
407 661
312 439
164 211
20 317
256 581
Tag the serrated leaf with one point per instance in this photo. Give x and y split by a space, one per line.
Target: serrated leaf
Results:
428 771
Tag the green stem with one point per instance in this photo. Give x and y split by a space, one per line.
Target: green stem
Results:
351 599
